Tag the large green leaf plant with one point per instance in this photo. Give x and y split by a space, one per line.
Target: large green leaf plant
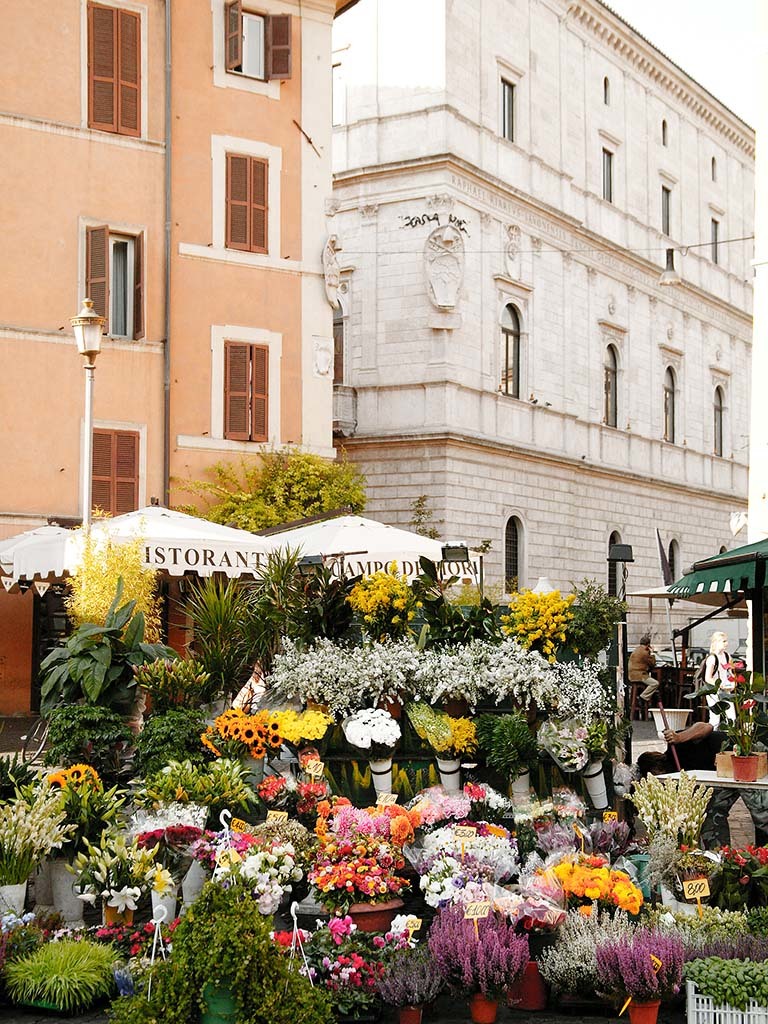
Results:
95 665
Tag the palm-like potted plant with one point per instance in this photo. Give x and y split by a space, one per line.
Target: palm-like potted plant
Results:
510 749
410 981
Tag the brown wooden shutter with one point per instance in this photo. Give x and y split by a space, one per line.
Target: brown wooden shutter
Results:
97 270
278 46
101 477
233 35
102 68
236 391
260 392
129 79
138 286
126 492
259 173
238 202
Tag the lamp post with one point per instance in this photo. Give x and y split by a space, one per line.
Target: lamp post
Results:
88 326
620 554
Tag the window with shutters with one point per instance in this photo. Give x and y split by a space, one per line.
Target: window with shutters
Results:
246 392
247 188
339 340
114 279
115 477
114 70
257 45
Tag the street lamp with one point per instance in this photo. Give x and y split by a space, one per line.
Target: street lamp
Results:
88 327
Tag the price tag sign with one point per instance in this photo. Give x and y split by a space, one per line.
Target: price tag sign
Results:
386 799
238 825
477 910
465 831
413 924
696 888
277 817
579 835
314 768
656 961
228 858
610 816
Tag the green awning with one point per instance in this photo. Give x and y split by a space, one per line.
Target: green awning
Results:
727 573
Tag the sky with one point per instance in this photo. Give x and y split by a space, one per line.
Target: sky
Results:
712 40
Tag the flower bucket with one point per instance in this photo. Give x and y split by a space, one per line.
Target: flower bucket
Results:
483 1010
644 1013
677 906
594 780
410 1014
530 992
676 717
42 885
374 917
65 900
450 774
745 768
114 916
193 882
521 789
12 899
167 901
641 862
219 1007
254 770
381 772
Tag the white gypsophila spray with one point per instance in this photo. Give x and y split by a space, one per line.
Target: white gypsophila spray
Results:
577 691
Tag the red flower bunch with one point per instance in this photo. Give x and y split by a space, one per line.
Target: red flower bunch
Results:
358 870
174 844
129 940
273 790
310 795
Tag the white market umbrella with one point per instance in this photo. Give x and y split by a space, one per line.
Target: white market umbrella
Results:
173 542
367 546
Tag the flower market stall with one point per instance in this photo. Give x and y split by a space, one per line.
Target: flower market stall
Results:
423 803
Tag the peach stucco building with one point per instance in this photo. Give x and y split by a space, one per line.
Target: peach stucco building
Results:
171 159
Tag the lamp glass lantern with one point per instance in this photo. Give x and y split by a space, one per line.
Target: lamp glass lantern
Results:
88 327
455 552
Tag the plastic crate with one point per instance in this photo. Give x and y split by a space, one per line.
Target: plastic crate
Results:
702 1010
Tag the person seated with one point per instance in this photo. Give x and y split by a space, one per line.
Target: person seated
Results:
696 749
641 661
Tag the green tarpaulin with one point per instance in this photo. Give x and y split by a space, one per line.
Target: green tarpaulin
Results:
726 573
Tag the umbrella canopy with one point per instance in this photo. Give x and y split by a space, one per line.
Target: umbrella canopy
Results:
368 546
173 542
741 569
714 600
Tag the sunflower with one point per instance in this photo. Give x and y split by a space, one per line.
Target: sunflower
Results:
258 750
248 734
59 779
82 773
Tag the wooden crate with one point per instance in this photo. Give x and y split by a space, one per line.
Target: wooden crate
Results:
724 765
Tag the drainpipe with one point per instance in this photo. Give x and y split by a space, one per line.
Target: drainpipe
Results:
167 347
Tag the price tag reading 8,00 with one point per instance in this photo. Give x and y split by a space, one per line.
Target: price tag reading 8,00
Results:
696 888
477 910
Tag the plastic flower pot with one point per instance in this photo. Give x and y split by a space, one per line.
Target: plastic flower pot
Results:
114 916
65 900
745 768
483 1010
220 1006
521 789
193 882
530 992
450 774
12 898
381 773
644 1013
410 1015
374 917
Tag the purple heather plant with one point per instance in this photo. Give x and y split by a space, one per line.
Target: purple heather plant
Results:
411 979
625 965
489 962
736 947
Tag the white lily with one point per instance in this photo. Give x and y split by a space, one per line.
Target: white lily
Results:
124 899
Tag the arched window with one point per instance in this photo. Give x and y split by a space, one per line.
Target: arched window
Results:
664 133
669 405
510 351
610 388
714 169
723 549
606 92
719 405
673 557
513 554
339 327
613 567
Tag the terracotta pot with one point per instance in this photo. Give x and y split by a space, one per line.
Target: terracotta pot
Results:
410 1015
482 1010
374 917
745 768
644 1013
114 916
530 992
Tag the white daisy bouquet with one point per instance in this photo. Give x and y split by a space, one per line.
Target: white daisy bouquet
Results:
373 730
267 872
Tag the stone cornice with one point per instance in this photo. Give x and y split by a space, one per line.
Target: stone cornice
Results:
643 56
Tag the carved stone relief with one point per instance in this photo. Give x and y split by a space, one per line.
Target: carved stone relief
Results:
322 351
444 266
332 270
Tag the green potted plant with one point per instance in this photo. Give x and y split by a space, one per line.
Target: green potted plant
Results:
68 976
595 614
510 749
226 969
411 980
717 988
171 736
173 683
218 786
31 825
90 734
